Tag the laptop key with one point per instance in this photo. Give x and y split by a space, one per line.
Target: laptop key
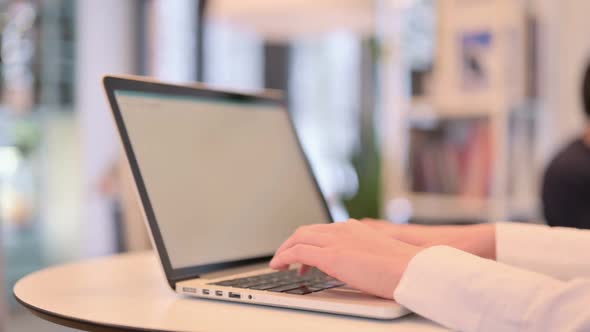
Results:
300 291
267 286
226 282
248 284
285 288
327 285
261 287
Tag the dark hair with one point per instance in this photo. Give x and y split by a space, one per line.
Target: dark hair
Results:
586 92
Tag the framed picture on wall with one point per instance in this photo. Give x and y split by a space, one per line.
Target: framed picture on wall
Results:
475 60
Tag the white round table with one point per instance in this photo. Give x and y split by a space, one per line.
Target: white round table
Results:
129 293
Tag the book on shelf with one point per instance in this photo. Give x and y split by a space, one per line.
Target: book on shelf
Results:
452 157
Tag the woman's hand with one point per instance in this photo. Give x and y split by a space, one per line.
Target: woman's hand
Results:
351 252
479 240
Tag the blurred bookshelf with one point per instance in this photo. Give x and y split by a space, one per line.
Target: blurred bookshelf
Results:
448 209
451 174
466 137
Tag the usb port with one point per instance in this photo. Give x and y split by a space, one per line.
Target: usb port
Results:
219 293
189 289
205 292
234 295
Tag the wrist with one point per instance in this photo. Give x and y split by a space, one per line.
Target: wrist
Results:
482 241
399 266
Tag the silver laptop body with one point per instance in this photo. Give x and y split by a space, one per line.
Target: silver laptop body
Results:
222 180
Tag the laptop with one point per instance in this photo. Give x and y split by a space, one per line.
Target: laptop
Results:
222 181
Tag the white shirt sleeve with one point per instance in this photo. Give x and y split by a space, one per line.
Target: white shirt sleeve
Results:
563 253
469 293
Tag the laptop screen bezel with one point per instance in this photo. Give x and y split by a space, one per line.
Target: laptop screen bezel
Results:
112 84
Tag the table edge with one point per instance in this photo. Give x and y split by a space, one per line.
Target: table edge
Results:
78 323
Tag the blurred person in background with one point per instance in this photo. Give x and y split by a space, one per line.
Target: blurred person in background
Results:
566 184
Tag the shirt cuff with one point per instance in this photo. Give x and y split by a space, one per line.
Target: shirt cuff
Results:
462 291
510 238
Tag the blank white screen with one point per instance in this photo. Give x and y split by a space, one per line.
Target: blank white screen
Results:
226 180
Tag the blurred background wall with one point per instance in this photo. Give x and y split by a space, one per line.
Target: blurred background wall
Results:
423 111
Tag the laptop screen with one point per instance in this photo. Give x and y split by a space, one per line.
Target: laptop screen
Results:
226 179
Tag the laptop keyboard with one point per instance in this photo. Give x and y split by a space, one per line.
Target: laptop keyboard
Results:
288 281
